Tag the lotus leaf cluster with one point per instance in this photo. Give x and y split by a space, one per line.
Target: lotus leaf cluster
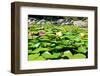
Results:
52 42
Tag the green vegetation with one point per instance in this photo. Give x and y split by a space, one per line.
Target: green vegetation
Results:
52 42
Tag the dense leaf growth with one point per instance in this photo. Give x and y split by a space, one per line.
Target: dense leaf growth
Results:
52 42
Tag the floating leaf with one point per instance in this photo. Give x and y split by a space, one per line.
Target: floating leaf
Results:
77 44
36 45
78 56
37 50
55 55
33 56
29 51
59 47
40 58
53 45
82 49
47 55
68 54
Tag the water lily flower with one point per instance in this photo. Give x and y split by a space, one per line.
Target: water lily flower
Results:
30 34
82 35
59 33
42 33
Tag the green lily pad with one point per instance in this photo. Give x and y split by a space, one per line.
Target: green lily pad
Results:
36 45
59 47
47 55
68 54
29 51
40 58
37 50
33 56
77 44
78 56
82 49
55 55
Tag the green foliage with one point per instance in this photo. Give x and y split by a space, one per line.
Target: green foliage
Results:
33 56
82 49
37 50
48 55
40 58
68 54
78 56
57 42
